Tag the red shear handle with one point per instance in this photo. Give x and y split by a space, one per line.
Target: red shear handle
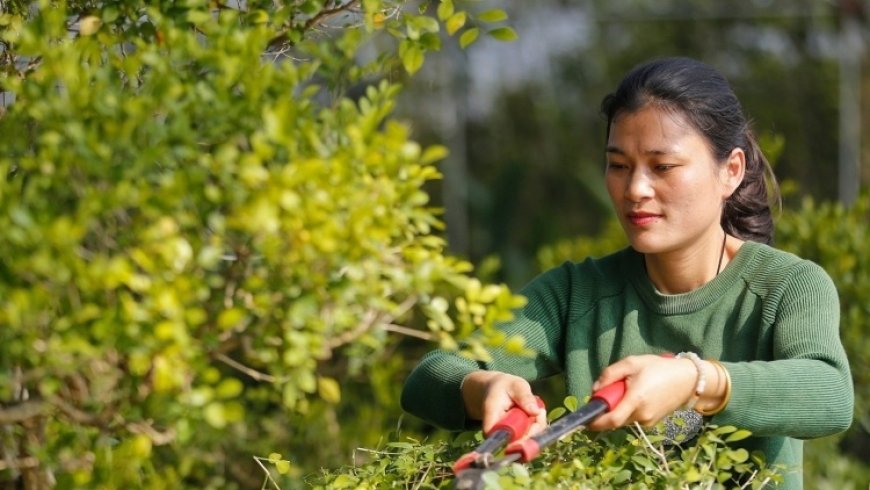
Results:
611 394
512 426
602 401
516 421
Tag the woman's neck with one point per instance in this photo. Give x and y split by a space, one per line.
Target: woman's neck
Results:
688 269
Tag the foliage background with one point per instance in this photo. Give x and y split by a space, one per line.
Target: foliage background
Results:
223 240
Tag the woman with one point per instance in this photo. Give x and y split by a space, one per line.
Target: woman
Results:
757 328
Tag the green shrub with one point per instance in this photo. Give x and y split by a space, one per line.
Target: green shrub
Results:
627 458
207 242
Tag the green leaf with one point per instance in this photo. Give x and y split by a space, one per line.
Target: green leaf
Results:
455 22
468 37
493 15
427 23
556 413
344 481
571 403
433 154
505 34
229 388
430 41
282 466
214 415
311 7
725 429
198 16
515 345
89 25
622 477
411 55
231 318
738 455
738 435
445 10
329 389
692 475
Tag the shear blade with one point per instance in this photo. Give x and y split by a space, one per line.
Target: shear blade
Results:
472 478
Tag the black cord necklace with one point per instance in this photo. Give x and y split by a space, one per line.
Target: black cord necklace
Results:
718 266
721 254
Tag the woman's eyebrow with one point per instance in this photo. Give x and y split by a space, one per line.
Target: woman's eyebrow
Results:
653 151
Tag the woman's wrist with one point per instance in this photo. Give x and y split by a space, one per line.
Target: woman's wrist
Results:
701 378
712 388
720 395
472 389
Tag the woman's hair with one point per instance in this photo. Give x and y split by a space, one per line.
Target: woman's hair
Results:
702 95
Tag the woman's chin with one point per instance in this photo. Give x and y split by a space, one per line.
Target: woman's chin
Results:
643 246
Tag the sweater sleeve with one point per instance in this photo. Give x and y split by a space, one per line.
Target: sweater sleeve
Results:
806 390
432 390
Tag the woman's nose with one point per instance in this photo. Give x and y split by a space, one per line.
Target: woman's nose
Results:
639 186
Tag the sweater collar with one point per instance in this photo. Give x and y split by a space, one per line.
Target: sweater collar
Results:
697 299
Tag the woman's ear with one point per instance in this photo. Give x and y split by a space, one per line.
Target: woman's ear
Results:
732 172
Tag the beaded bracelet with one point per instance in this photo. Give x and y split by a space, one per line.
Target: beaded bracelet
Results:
702 378
726 397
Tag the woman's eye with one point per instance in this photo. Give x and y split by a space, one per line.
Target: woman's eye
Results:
665 167
615 166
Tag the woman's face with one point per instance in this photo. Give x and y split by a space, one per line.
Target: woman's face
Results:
665 185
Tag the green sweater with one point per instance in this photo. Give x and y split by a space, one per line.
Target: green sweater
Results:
771 318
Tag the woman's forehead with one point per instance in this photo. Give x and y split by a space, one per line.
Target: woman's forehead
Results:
651 122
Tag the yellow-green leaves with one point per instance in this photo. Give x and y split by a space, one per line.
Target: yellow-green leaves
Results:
492 16
471 24
617 459
468 37
329 389
89 25
206 240
503 34
411 55
445 10
455 22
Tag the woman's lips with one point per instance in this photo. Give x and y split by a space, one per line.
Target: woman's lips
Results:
642 219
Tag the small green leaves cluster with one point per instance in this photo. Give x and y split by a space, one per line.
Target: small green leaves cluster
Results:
632 458
421 32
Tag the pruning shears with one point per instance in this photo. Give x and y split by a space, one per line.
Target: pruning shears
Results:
470 468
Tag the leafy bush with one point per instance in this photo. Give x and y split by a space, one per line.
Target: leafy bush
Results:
206 239
634 458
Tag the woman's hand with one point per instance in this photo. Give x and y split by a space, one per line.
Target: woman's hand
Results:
655 387
488 395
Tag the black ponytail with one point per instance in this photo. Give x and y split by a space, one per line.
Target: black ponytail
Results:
747 213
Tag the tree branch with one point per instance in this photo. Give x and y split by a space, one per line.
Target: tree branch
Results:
157 437
20 463
371 319
22 411
325 14
253 373
319 18
410 332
